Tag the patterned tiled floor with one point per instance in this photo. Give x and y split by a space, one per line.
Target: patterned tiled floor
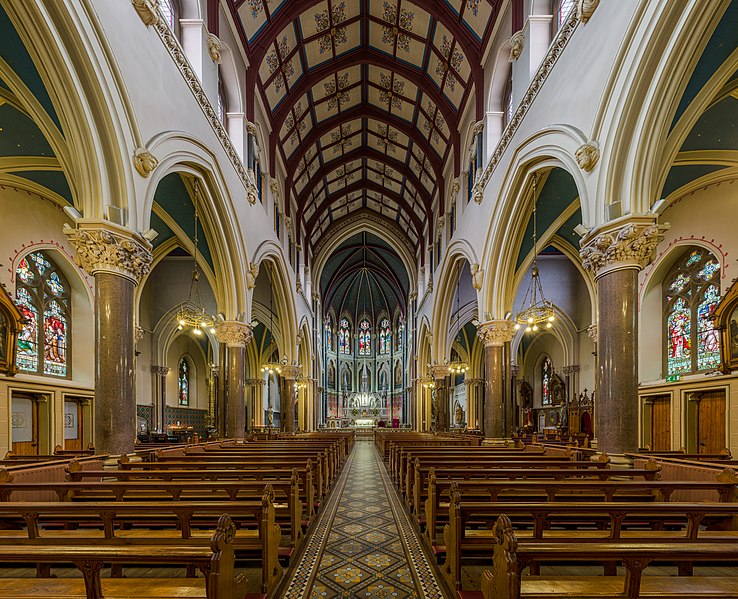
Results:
363 544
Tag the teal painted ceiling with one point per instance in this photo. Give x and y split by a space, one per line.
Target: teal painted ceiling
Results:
53 180
175 200
716 129
722 44
558 192
364 275
566 231
20 136
14 52
681 175
467 335
163 230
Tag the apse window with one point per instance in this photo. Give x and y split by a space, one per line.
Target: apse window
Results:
42 295
691 292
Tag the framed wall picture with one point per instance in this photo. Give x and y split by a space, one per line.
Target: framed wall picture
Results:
11 324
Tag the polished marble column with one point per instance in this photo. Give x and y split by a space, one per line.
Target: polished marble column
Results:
440 376
118 259
494 335
615 253
289 376
236 335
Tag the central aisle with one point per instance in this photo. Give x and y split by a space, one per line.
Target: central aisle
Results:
363 544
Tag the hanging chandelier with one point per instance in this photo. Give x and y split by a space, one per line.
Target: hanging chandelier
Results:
191 314
272 367
537 312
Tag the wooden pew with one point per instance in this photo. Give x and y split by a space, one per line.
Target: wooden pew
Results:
215 562
258 534
534 491
170 491
511 556
582 522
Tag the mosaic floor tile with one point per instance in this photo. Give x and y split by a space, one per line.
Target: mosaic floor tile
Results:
364 544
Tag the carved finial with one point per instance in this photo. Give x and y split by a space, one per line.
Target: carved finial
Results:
588 155
251 275
5 476
585 9
517 43
214 47
147 10
144 161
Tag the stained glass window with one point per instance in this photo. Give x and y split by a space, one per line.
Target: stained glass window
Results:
691 294
400 331
167 10
183 382
546 374
365 338
563 10
385 337
328 336
344 337
42 295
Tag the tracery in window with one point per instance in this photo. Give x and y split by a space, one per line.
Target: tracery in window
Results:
183 382
344 337
691 293
365 338
562 10
385 337
546 376
166 7
42 295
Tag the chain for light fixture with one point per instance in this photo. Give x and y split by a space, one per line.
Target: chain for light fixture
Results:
191 314
458 366
537 310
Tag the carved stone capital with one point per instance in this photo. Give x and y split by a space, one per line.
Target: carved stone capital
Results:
251 127
214 47
138 333
592 332
251 275
585 9
160 370
439 371
587 156
274 186
290 371
147 10
517 43
104 247
477 276
252 194
234 333
254 382
144 162
621 244
496 332
478 128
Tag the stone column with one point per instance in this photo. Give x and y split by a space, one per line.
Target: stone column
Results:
494 335
474 417
118 259
255 405
212 420
160 396
615 253
439 375
235 335
289 376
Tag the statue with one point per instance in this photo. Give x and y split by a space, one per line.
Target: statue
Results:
458 414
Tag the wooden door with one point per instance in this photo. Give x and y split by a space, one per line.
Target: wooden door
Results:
711 422
661 423
25 424
73 425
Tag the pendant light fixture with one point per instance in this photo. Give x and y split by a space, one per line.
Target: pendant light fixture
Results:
537 312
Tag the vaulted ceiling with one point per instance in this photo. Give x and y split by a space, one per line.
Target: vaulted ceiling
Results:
365 98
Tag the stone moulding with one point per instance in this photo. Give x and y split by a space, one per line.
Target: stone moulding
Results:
180 59
496 332
234 333
560 42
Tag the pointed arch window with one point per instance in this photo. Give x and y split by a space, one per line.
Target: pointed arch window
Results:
168 11
691 293
183 382
561 11
329 335
546 377
42 295
365 338
385 337
344 337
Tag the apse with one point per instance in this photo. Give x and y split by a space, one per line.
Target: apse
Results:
364 288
